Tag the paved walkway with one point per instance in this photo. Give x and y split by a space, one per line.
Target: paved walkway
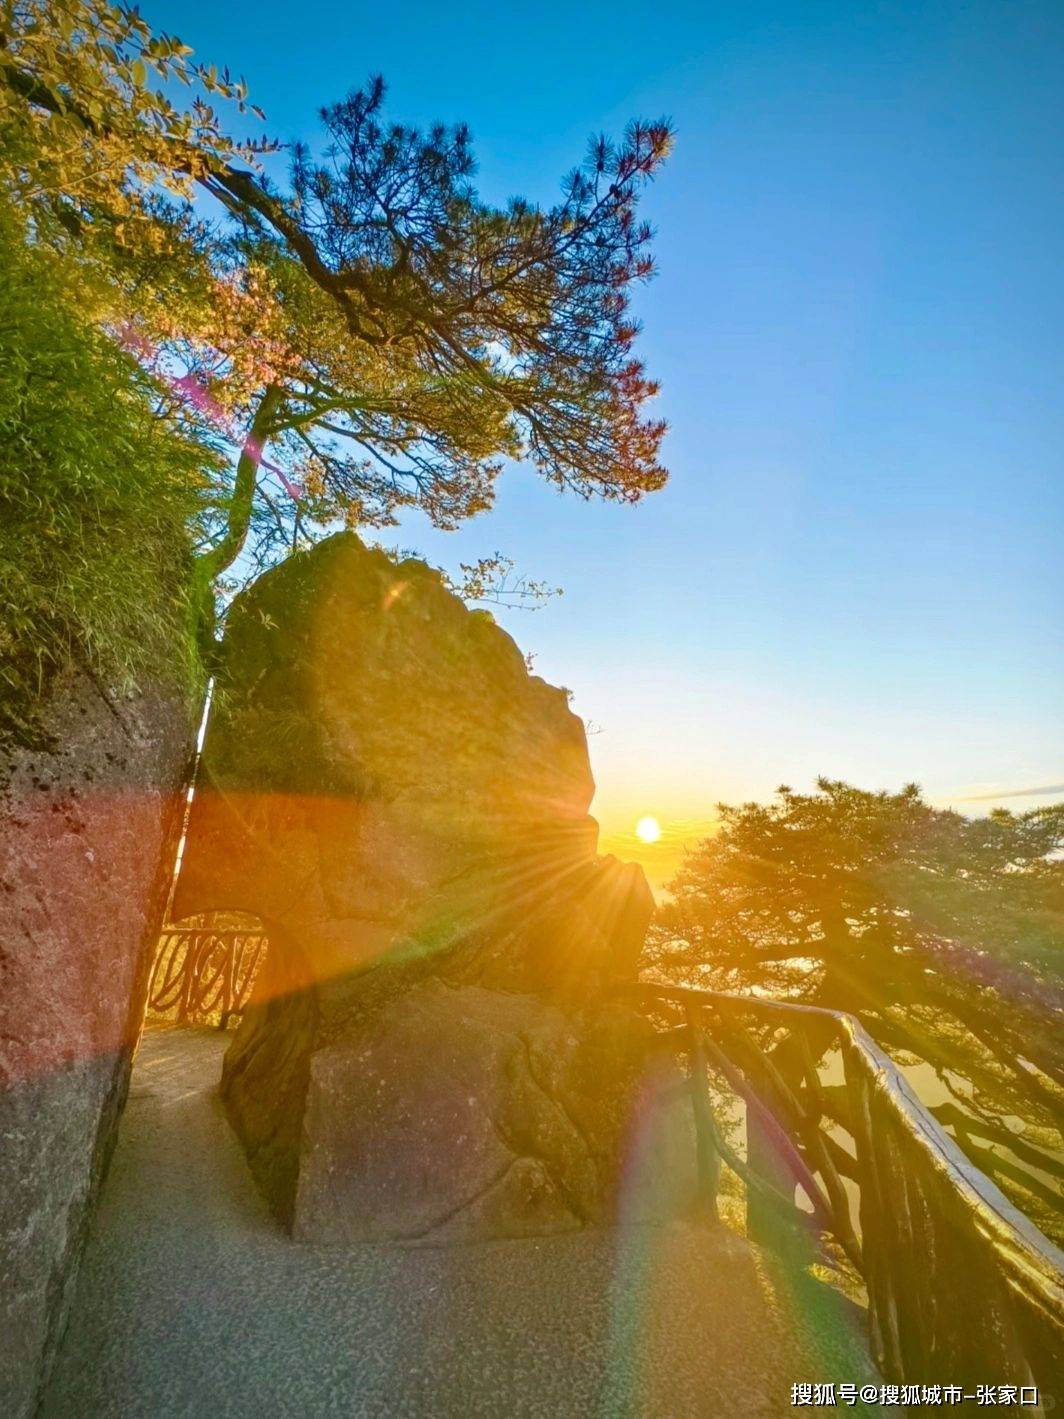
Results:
193 1302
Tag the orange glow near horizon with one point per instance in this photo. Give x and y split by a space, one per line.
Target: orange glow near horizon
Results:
661 856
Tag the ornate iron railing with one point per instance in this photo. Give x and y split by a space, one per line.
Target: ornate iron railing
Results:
204 974
962 1287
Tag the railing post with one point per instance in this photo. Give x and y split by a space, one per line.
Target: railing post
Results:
188 980
228 983
768 1224
708 1157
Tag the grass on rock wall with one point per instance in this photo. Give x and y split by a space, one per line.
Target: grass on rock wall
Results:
98 496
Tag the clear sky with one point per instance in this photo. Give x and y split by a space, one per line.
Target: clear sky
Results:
856 567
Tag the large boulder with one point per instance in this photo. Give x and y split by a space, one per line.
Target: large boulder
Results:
458 1114
382 775
89 821
405 807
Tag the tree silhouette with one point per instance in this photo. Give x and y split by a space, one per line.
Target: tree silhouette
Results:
943 934
382 336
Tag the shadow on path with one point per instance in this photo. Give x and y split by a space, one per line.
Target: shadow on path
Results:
193 1302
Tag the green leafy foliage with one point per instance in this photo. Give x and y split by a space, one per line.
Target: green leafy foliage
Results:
99 498
370 336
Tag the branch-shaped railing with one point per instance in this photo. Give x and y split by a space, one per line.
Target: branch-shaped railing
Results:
962 1287
204 974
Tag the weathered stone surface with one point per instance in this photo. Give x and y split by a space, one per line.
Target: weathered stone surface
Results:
86 836
458 1114
383 780
405 807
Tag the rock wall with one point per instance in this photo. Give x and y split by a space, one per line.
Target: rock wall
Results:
405 807
87 831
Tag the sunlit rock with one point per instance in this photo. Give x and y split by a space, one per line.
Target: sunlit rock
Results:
405 806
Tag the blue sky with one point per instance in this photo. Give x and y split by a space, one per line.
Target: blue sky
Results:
855 569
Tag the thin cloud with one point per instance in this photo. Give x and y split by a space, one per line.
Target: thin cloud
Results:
1046 792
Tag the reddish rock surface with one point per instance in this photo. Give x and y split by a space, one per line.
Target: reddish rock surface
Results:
87 837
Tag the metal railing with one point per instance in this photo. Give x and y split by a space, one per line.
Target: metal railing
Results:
962 1287
204 974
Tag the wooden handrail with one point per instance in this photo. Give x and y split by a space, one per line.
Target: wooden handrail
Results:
202 972
962 1287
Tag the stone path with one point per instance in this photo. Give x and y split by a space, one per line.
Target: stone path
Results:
193 1302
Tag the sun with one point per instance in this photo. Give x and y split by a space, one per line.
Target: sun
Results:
648 830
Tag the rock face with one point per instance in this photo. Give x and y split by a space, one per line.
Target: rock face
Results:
406 808
453 1115
87 833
